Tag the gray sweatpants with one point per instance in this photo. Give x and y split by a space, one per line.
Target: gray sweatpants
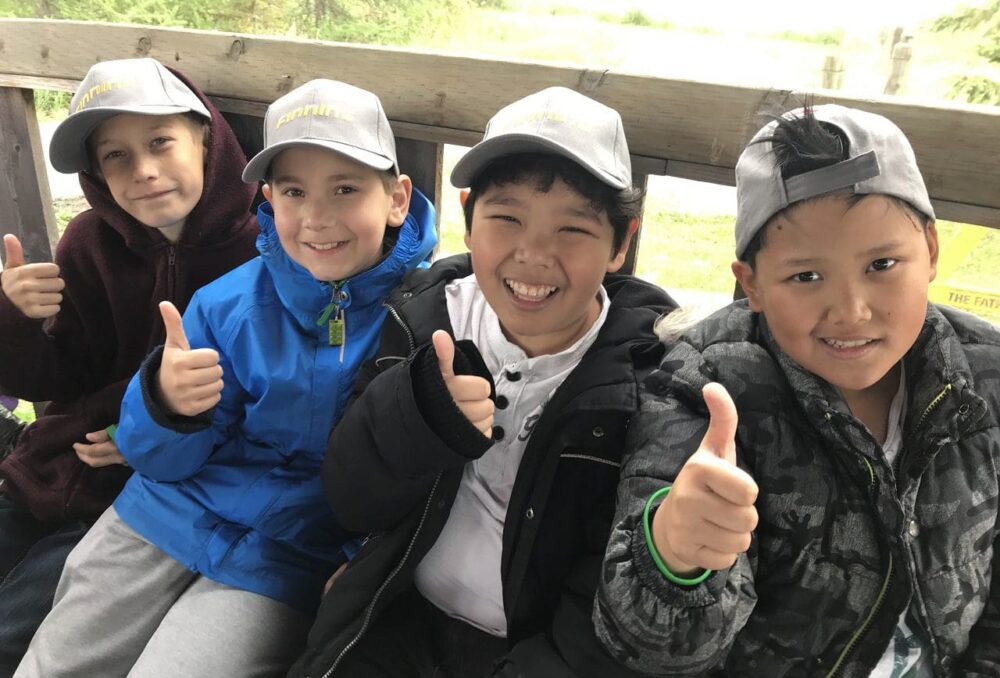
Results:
125 608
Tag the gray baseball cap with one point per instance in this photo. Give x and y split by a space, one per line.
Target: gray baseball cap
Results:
110 88
331 115
881 161
556 120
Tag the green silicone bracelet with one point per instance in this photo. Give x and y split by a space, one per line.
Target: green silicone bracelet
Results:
652 547
111 430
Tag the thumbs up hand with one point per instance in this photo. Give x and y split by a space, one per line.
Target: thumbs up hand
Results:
190 382
707 518
35 289
470 393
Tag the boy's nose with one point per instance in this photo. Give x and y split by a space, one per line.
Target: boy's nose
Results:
144 168
534 250
849 305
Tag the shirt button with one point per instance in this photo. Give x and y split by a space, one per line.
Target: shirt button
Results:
598 432
502 402
913 529
530 513
498 433
513 376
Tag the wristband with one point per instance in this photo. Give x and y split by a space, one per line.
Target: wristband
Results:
662 492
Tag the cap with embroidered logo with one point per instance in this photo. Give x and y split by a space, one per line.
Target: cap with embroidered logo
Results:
110 88
555 120
880 160
331 115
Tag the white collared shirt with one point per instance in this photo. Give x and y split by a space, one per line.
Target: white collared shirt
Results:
461 572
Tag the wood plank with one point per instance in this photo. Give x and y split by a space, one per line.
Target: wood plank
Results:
25 200
679 121
423 161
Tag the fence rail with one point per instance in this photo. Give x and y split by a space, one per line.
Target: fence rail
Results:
680 128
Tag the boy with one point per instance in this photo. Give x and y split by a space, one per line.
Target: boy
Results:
491 522
858 535
222 538
160 168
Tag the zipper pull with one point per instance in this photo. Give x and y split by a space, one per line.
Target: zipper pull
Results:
336 328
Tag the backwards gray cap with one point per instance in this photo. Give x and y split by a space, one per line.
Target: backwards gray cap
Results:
556 120
880 160
331 115
110 88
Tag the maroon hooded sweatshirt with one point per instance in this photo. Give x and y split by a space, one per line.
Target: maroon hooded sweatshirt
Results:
116 270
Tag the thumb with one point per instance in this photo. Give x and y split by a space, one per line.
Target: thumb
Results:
13 253
720 438
175 328
444 347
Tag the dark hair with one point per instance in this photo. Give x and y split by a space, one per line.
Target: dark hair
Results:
543 169
802 144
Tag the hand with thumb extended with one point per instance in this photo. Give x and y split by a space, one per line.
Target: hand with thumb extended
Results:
189 381
470 393
707 518
35 289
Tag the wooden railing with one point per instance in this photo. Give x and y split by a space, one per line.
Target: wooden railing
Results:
680 128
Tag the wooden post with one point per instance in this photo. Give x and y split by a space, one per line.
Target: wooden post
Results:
639 181
902 53
25 200
833 72
422 161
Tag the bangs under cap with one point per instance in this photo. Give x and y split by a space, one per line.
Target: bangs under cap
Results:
110 88
880 160
331 115
559 121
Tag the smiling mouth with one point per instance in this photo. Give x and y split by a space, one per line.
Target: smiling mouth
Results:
154 196
846 344
325 246
526 292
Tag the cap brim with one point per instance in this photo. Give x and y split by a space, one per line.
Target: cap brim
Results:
68 148
256 169
479 156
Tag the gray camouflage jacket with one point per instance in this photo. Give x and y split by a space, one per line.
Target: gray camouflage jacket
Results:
845 542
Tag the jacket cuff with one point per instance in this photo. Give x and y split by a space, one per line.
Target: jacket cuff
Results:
436 405
158 411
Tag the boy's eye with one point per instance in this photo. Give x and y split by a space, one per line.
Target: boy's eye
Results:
113 155
345 190
293 192
159 141
883 264
806 276
576 230
502 217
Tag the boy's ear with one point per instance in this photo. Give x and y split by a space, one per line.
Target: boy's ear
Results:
748 281
619 258
932 246
266 190
399 206
463 195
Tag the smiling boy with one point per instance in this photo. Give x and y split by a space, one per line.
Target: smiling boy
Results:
482 451
834 511
159 167
222 538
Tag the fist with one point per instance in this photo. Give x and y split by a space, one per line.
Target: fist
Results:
470 393
189 381
708 516
35 289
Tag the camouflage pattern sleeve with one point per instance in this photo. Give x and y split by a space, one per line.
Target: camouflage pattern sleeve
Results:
645 621
982 658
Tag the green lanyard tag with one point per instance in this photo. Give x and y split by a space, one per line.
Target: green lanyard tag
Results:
336 327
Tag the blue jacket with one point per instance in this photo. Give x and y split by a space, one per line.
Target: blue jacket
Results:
235 494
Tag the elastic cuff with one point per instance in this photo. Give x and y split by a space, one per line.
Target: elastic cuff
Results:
661 566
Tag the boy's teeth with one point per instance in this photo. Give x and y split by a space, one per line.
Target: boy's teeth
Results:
530 292
323 246
854 343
